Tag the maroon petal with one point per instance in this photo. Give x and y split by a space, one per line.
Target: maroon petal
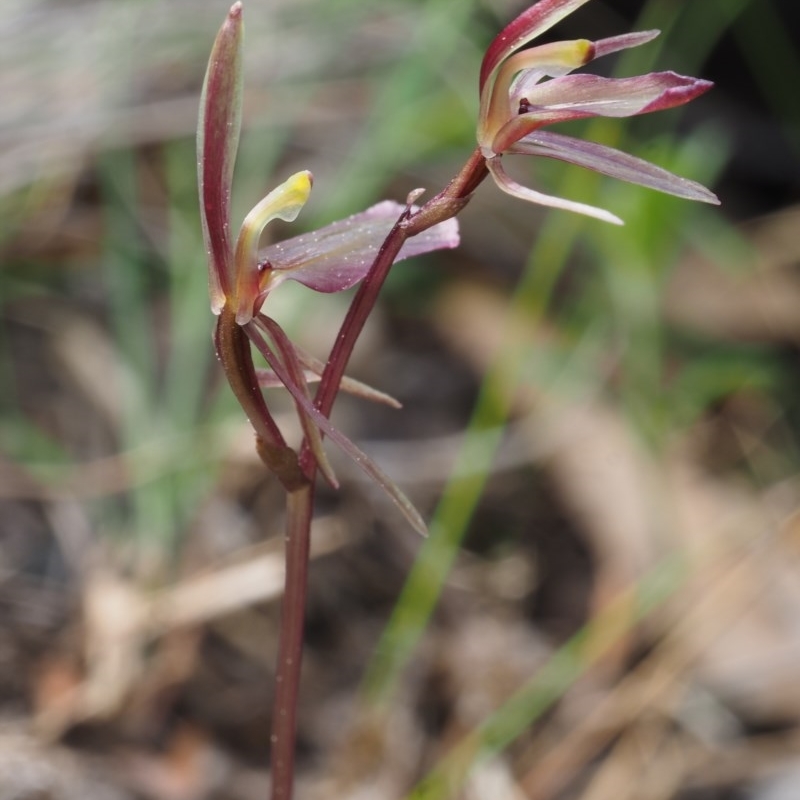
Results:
580 96
611 162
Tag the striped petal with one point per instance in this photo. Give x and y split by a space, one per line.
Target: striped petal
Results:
580 96
338 256
575 96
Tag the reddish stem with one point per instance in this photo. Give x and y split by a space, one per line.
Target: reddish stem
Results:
299 510
300 500
233 350
443 206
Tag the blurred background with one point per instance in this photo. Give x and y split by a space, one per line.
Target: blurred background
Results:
601 424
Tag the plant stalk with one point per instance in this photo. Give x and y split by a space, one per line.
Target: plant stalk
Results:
299 510
300 500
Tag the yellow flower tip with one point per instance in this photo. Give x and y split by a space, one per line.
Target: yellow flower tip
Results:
300 184
572 54
284 202
585 50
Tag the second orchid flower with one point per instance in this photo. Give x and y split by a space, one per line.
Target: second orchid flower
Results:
517 101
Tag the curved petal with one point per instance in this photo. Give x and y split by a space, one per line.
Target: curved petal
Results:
283 202
539 18
338 256
611 162
510 186
217 140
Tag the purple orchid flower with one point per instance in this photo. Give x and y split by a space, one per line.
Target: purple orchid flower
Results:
516 103
242 274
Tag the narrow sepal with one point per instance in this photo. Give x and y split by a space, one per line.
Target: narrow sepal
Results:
267 379
612 162
314 369
217 141
348 385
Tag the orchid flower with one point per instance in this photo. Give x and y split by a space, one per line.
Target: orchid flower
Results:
242 275
516 103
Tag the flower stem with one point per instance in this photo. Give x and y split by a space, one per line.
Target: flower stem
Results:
445 205
299 510
353 323
299 504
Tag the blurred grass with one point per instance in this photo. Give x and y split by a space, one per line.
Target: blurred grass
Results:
567 665
147 275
